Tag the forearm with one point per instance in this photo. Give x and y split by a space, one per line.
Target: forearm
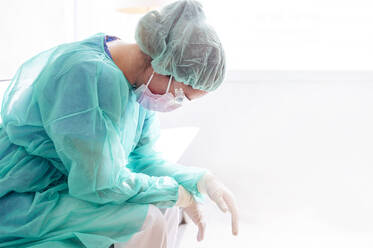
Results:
187 176
131 187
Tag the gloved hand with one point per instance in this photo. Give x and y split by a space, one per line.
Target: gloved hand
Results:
218 193
195 214
186 201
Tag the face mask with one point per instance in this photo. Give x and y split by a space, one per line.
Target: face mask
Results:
162 103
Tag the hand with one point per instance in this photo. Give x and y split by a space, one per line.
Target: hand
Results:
184 199
195 214
190 207
218 193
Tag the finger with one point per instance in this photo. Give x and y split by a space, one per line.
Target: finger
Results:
195 215
221 204
201 231
229 200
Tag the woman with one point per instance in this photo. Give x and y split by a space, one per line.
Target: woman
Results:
77 168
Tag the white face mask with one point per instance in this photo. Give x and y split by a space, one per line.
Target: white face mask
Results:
162 103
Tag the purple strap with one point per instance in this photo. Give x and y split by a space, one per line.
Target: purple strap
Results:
109 38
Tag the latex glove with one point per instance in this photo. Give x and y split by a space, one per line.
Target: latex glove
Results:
218 193
195 214
185 199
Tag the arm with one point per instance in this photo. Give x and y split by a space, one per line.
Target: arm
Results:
88 143
145 160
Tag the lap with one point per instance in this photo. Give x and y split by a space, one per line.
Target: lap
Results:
27 218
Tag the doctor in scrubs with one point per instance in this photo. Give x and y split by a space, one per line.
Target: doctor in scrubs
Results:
77 167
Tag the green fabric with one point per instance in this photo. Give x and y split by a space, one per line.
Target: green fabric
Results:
183 45
77 168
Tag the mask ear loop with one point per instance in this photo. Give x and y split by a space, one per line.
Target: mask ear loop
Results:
169 84
150 79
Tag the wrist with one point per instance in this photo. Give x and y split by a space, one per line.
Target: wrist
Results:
185 199
202 183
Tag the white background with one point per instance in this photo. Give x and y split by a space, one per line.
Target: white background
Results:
297 154
257 35
289 132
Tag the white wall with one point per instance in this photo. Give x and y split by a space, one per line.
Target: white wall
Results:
29 27
257 35
297 154
295 34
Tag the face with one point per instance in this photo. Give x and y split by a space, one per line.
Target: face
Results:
159 84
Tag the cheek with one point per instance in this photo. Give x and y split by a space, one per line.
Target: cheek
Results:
158 86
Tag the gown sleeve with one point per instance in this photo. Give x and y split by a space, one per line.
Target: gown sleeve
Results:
88 143
146 160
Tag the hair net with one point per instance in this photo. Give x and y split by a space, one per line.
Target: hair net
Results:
183 45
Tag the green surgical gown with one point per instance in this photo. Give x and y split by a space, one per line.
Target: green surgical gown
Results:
77 168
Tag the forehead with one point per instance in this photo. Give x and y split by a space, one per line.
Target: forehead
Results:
189 92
